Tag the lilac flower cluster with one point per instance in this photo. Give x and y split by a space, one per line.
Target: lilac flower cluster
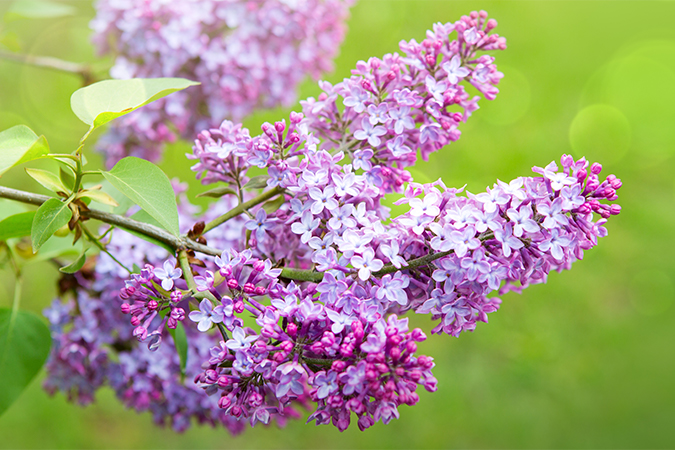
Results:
390 108
96 344
304 306
247 54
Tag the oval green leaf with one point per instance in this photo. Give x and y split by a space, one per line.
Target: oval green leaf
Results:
50 216
99 196
18 225
181 343
218 192
75 265
24 347
47 179
147 186
101 102
20 144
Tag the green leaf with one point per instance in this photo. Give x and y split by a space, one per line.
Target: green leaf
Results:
257 182
101 102
218 192
181 343
18 225
18 145
24 347
273 205
66 178
38 9
50 216
47 179
146 184
99 196
75 265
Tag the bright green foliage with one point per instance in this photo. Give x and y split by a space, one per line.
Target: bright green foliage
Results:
147 186
20 144
47 179
75 265
106 100
18 225
50 216
24 347
180 339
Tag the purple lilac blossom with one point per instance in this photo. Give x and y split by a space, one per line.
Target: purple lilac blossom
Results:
338 340
246 54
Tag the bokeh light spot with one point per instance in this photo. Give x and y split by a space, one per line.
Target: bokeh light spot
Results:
600 133
514 99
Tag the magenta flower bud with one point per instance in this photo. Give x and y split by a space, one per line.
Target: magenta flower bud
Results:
355 406
365 84
457 117
371 375
294 138
596 168
286 346
135 321
249 288
226 271
291 329
223 381
418 335
365 422
125 308
430 59
171 323
491 25
411 347
232 283
280 126
395 339
239 307
615 182
338 365
296 117
581 175
259 265
335 401
259 290
425 362
178 314
414 376
224 402
140 333
585 208
211 376
592 184
124 294
152 305
176 296
614 209
395 352
279 357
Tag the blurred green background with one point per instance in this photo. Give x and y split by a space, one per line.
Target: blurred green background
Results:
587 360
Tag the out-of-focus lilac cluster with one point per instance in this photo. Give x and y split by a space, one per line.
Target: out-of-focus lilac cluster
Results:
246 54
94 344
304 306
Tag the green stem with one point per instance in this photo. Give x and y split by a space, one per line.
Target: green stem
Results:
190 279
47 62
234 212
94 240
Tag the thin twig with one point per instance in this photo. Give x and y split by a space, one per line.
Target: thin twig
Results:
234 212
47 62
